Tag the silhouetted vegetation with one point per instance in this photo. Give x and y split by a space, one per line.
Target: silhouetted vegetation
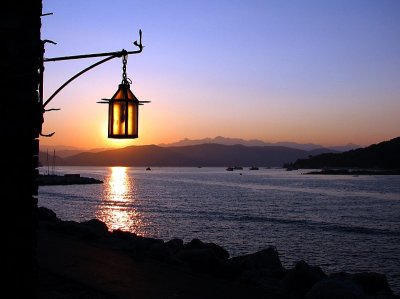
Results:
384 155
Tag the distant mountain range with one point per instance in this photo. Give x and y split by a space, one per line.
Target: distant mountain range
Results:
218 151
64 151
256 142
209 154
384 155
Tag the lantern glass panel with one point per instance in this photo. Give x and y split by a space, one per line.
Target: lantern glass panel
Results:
119 118
133 119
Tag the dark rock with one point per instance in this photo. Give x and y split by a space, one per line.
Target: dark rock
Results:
71 228
143 244
302 277
261 278
123 234
227 269
122 240
219 251
194 244
335 288
341 275
116 243
266 259
159 251
372 283
262 269
174 245
89 230
96 227
203 260
45 214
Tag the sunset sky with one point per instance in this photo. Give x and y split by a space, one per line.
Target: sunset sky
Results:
325 72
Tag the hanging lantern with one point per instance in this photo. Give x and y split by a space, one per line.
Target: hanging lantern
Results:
123 114
123 110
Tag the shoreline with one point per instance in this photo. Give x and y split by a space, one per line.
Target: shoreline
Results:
185 266
355 172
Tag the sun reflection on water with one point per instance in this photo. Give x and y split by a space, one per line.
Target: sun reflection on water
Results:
118 209
119 184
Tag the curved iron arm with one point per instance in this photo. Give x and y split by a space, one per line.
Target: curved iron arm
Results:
110 55
76 76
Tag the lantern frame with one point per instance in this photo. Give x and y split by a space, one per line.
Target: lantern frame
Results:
128 105
123 113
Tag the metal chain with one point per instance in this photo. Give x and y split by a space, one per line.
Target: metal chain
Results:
125 79
124 62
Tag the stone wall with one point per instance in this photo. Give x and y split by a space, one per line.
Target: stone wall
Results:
20 123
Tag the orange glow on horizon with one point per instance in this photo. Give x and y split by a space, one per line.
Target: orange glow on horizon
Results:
274 121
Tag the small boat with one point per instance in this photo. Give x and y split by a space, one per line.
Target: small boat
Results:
229 169
253 168
148 168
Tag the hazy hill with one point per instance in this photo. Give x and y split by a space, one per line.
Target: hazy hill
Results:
63 151
196 155
217 140
230 155
345 148
257 142
384 155
321 150
47 159
128 156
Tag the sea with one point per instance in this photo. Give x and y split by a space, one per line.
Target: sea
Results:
337 222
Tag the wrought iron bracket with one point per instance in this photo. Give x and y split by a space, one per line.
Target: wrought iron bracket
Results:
108 55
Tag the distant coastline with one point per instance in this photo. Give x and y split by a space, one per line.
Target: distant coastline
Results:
356 172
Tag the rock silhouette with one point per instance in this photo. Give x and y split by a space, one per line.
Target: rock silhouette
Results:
258 274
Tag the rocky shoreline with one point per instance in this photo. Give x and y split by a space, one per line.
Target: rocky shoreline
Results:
261 272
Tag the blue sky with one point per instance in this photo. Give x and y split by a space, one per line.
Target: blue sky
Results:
326 72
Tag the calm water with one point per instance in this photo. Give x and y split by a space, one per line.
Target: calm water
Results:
349 223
